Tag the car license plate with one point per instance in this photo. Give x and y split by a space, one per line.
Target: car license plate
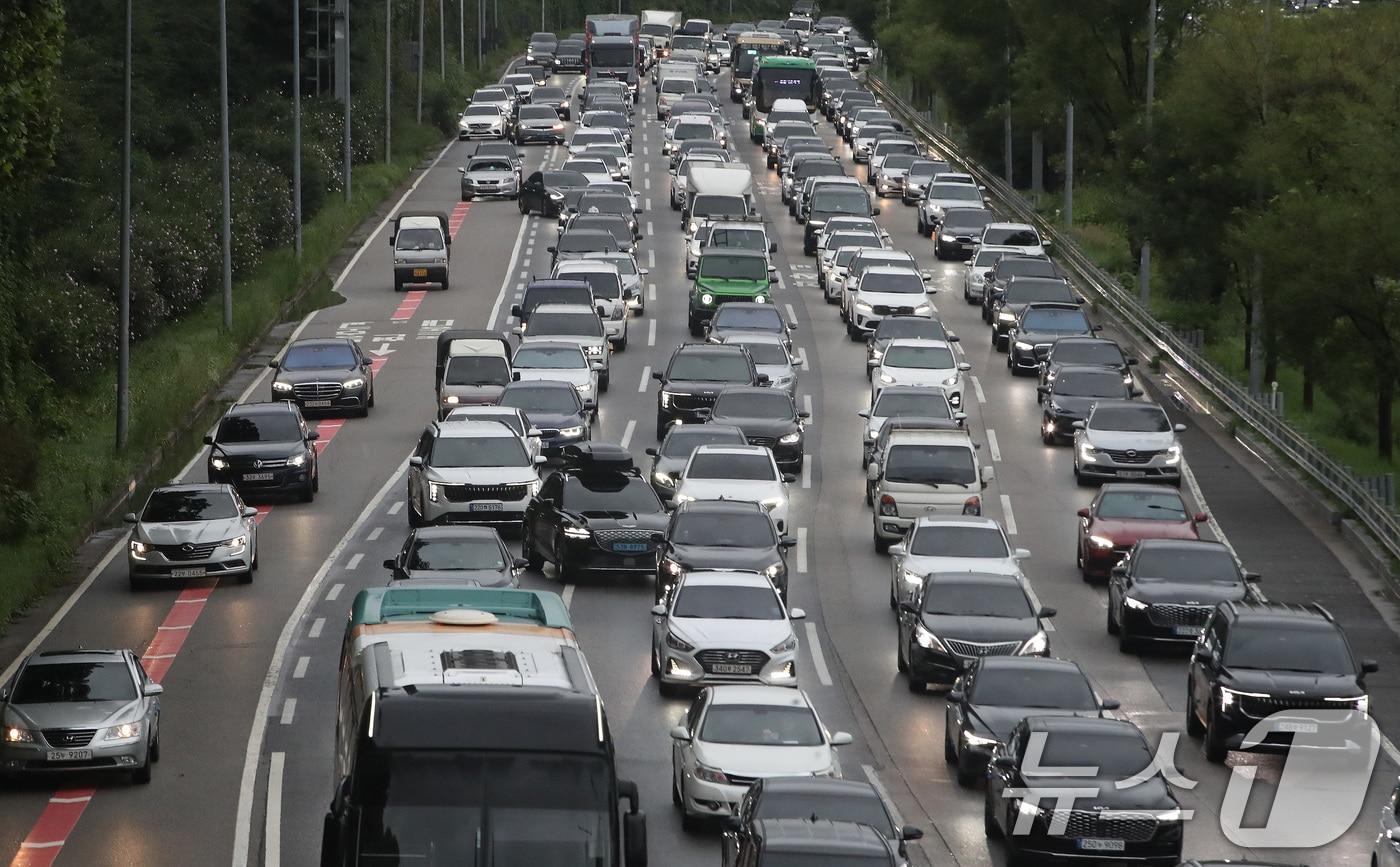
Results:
1093 844
1131 474
420 272
1301 728
192 572
486 507
257 477
629 547
315 404
70 755
1189 630
726 668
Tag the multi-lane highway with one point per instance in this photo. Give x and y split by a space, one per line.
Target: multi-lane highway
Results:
250 670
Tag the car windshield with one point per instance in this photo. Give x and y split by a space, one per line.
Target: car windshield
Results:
452 554
954 599
892 282
272 427
898 161
987 258
418 239
861 809
927 402
683 440
741 239
727 602
957 192
550 358
1087 352
837 240
761 318
844 255
320 356
677 85
1142 506
710 367
564 179
566 323
605 203
1136 419
839 201
1206 564
923 170
912 463
720 206
588 242
1090 384
490 111
56 682
545 399
748 467
476 370
827 859
743 530
604 284
538 112
722 267
173 507
767 353
1038 289
1019 266
478 413
1033 686
1117 756
761 726
585 137
590 166
888 148
550 94
1055 320
957 541
1011 237
966 221
479 451
610 492
920 357
755 404
690 130
893 327
1307 648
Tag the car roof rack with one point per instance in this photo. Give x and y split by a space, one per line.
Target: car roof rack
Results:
597 457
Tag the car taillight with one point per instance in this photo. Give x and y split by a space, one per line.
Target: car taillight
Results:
972 506
887 505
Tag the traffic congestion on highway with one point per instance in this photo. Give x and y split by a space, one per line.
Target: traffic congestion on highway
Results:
550 546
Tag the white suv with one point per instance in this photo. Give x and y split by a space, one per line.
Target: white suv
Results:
1129 440
470 472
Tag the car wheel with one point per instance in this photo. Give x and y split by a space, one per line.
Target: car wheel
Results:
894 603
308 492
245 577
370 403
1194 728
520 203
533 560
852 331
415 518
676 788
398 285
561 565
1126 642
254 564
655 664
920 222
1215 742
155 743
621 345
882 546
989 819
916 686
661 426
316 478
1111 624
900 663
950 755
445 284
603 380
967 773
142 775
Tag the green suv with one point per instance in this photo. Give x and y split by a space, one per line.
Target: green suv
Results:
727 275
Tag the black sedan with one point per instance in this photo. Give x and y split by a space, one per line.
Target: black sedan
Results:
768 417
473 556
955 618
722 534
543 192
554 408
264 448
1073 393
598 517
812 798
1094 351
676 447
1036 330
998 692
694 377
1164 590
1139 822
324 375
1020 292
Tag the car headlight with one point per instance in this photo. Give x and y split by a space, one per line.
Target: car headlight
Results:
773 571
760 299
684 498
711 775
218 463
297 460
664 480
1024 346
675 642
1229 696
787 646
707 299
236 543
927 640
433 491
575 431
1029 810
1087 452
139 549
691 228
886 379
282 387
1100 542
923 309
971 740
125 731
594 349
556 196
863 307
1173 454
789 439
1038 643
911 577
1006 316
671 567
451 400
770 503
1135 604
578 533
16 735
951 381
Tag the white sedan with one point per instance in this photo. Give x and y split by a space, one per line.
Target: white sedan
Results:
559 361
951 543
716 472
918 362
723 627
733 735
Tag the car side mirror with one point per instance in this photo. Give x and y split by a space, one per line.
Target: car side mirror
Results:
964 366
967 262
1042 389
517 311
840 739
865 413
208 439
1179 428
541 459
1096 328
875 211
415 461
680 733
1084 512
650 452
1021 554
515 376
898 549
1200 517
911 832
659 610
249 512
797 614
773 277
988 475
1135 392
602 311
151 690
872 472
313 435
659 376
129 518
789 478
1078 425
772 246
1047 612
390 564
1370 666
1109 704
275 364
872 364
551 249
787 542
1132 361
761 379
908 608
955 696
1205 657
590 405
1005 763
1252 577
518 331
461 170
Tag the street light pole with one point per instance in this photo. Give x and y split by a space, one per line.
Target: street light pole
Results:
480 26
420 61
224 170
442 42
345 144
388 80
296 126
124 302
462 32
1145 254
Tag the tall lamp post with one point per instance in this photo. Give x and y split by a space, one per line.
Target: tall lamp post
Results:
124 302
223 167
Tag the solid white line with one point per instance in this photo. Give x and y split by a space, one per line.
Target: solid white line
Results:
524 275
334 593
1009 517
374 534
627 432
802 549
807 472
316 626
646 378
78 799
884 794
814 647
272 842
354 562
992 445
252 755
651 333
568 595
394 509
977 387
48 844
300 671
792 314
289 711
1035 603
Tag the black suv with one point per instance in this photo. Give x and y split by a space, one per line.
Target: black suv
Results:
1141 822
1257 659
818 843
1165 589
808 798
264 448
1037 328
722 534
325 374
596 514
694 377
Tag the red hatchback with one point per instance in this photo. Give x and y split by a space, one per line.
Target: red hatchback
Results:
1120 515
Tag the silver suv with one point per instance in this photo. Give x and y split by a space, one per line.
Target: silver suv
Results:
1128 440
470 472
192 531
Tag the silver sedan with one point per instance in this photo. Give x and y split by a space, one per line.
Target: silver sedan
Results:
192 531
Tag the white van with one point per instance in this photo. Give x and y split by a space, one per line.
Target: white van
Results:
924 472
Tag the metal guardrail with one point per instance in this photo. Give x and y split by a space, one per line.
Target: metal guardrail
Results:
1362 496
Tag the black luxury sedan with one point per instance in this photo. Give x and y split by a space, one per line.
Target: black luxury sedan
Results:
324 374
264 448
722 534
1164 590
471 556
768 417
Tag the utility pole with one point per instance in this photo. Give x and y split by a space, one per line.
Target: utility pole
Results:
388 81
442 43
344 16
462 32
1256 281
1006 117
542 27
1069 165
124 302
480 26
296 126
420 61
223 161
1145 254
